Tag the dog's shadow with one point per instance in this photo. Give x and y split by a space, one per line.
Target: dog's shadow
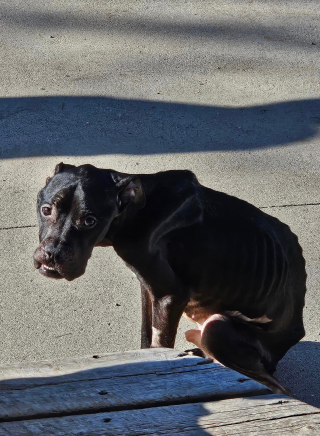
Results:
299 371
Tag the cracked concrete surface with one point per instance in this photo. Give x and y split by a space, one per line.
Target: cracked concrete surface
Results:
290 205
230 90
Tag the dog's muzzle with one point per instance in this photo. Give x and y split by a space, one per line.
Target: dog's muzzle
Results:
44 261
58 261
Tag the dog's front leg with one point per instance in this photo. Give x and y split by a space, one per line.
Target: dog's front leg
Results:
166 314
146 326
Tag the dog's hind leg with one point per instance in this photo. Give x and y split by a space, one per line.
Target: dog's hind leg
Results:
240 347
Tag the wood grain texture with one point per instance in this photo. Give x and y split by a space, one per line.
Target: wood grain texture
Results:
24 375
112 388
254 416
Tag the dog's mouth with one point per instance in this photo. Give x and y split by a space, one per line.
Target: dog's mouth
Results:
47 271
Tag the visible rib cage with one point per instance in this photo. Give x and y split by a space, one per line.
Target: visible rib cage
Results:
252 267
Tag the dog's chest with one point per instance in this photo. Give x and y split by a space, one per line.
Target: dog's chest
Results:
137 274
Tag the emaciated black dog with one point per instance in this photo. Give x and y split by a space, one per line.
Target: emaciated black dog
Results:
236 271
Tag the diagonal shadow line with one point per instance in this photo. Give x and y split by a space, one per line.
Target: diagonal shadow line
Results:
64 126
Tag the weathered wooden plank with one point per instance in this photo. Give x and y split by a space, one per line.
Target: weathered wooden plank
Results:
102 390
267 415
24 375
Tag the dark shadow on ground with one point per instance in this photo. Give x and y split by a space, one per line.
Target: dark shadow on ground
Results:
40 126
299 371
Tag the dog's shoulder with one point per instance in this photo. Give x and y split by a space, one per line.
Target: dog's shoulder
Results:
176 176
171 185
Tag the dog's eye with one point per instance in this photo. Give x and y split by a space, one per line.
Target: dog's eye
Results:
90 221
46 210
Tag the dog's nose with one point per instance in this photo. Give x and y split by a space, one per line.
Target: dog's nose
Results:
49 252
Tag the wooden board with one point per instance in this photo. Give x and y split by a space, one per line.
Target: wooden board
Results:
254 416
141 379
21 375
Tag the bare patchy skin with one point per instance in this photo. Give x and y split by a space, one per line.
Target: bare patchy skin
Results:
226 265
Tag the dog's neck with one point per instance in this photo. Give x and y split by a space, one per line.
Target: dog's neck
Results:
115 226
128 229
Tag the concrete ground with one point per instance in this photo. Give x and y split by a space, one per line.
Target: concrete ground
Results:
228 89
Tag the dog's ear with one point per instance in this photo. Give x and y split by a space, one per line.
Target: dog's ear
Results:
58 169
130 191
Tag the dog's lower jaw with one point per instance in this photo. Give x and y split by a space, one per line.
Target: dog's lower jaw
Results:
50 272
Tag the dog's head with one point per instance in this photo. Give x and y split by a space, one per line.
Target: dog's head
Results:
75 211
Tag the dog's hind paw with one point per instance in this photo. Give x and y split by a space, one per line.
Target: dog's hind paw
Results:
196 352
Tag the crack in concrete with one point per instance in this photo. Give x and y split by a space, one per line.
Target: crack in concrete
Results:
18 227
4 115
260 207
290 205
